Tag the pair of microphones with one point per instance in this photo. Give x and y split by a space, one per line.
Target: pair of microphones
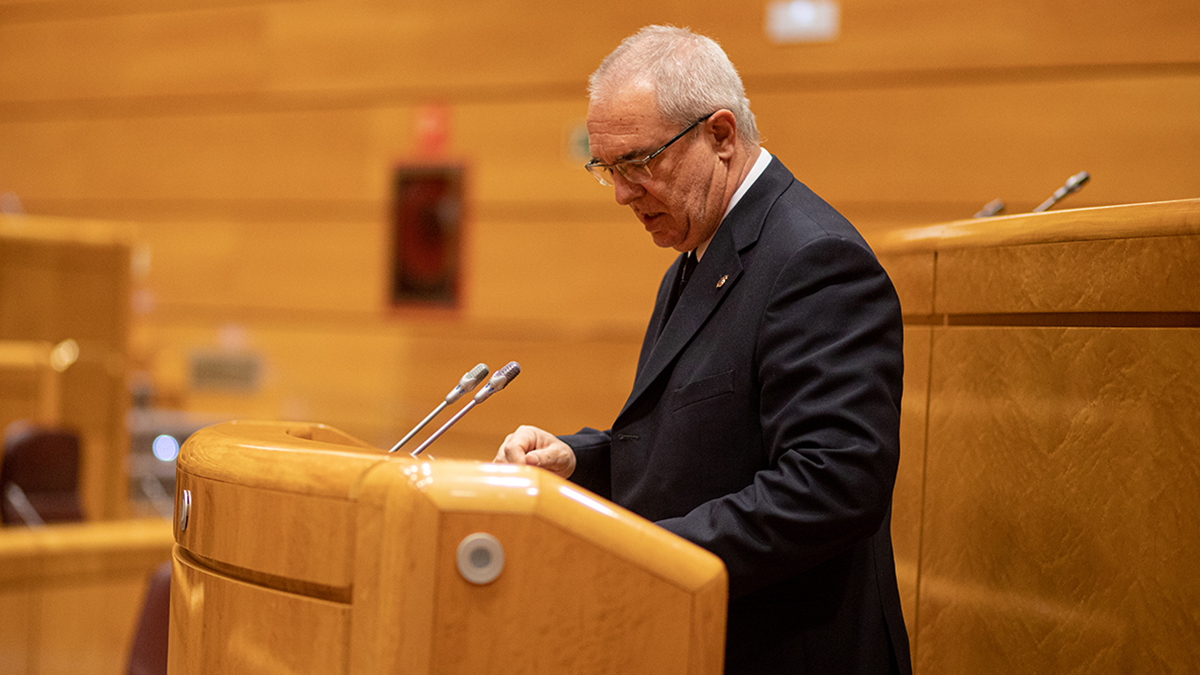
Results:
465 385
1073 185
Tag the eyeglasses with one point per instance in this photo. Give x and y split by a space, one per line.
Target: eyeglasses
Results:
635 170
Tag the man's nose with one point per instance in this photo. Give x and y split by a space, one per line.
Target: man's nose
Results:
625 189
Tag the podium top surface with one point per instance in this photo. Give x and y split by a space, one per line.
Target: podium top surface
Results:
1153 219
330 472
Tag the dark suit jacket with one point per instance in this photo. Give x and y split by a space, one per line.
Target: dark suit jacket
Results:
764 426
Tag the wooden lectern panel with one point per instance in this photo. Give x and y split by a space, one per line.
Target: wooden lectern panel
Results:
307 551
1044 512
1060 502
237 627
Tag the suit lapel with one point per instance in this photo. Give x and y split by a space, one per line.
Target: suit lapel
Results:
714 278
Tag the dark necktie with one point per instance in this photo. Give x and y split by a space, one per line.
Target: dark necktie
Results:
685 273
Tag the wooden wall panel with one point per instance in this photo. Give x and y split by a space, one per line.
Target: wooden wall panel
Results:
1059 531
304 156
521 270
30 387
576 273
132 54
18 611
957 146
310 370
311 268
970 142
380 379
68 49
568 380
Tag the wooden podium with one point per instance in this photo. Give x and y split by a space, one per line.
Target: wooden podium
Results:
302 550
1044 516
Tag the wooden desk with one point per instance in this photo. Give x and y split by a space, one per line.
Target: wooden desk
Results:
306 551
69 279
1044 516
70 595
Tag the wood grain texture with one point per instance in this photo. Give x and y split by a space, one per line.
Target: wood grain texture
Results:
71 595
1132 134
1059 478
574 563
54 49
247 479
254 143
912 275
1060 492
223 625
1132 258
624 594
909 492
1126 221
1150 274
311 544
576 636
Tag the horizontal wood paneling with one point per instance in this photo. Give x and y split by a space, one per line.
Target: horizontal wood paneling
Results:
964 144
130 55
1018 141
513 270
379 378
70 49
253 143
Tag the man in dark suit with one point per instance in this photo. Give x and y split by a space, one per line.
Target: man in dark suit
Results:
764 419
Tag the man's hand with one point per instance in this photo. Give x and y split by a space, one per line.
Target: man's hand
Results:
535 447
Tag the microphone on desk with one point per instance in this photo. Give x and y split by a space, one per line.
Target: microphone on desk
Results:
990 209
468 382
1074 183
499 381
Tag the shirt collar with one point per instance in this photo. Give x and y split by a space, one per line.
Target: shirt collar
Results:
760 165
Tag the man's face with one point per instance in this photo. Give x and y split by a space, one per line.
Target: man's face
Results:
681 205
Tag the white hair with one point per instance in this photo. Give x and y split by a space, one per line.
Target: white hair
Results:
690 74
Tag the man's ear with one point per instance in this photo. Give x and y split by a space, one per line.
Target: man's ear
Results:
722 127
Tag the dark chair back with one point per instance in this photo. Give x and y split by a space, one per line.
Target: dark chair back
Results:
148 655
43 464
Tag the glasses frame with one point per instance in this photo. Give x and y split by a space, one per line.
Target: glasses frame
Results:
598 168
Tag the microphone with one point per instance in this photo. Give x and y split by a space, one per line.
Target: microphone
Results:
1074 183
468 382
499 381
990 209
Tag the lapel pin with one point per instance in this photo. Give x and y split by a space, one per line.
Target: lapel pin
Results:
721 282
